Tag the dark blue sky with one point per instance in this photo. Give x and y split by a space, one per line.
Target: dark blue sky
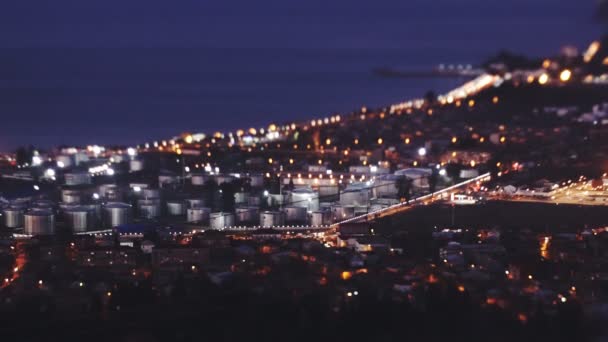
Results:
127 71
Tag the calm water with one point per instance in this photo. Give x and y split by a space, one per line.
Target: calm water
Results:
69 72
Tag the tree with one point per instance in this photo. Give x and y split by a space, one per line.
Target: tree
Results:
209 190
430 97
227 197
404 187
24 154
433 182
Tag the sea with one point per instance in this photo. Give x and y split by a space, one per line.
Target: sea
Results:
111 79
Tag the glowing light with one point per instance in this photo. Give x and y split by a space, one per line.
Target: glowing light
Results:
36 160
565 75
422 151
591 51
543 79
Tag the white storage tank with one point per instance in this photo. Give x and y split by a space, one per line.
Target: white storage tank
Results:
306 198
256 181
385 186
272 218
166 179
295 214
356 194
195 202
77 178
43 204
150 193
95 207
223 179
117 214
221 220
241 197
80 219
103 188
320 218
148 208
114 194
198 214
198 179
276 199
468 173
63 160
139 186
13 217
80 157
254 201
342 212
136 165
71 196
39 222
419 176
247 215
176 208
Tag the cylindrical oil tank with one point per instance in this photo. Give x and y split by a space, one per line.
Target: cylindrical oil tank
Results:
276 199
221 220
67 206
39 222
63 160
148 208
306 198
13 217
176 208
166 179
198 179
103 188
241 197
114 194
136 165
272 218
95 207
80 219
254 201
198 214
320 218
150 193
20 203
224 179
256 181
139 186
356 194
385 186
43 204
195 202
342 212
117 214
71 196
247 214
77 178
295 214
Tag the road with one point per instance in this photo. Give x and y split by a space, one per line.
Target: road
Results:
404 206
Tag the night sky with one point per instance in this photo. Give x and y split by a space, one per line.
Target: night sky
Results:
129 71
